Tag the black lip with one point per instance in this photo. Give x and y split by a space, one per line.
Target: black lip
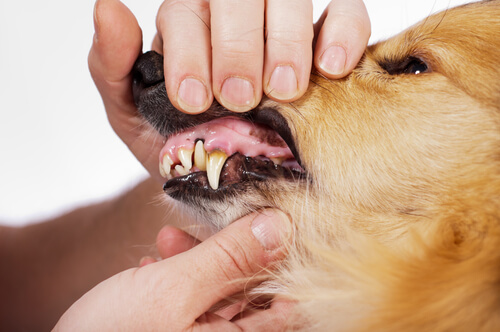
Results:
273 119
237 172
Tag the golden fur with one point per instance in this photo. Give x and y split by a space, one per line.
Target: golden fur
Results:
399 227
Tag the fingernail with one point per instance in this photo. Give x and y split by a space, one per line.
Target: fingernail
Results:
146 261
238 93
333 60
271 227
283 83
192 95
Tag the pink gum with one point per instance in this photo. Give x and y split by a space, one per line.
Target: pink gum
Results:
229 135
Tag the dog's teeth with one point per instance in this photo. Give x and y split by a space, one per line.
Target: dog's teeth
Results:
181 170
216 160
162 172
165 166
167 160
200 156
185 156
277 161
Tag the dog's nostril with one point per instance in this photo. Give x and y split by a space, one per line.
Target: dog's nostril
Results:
148 70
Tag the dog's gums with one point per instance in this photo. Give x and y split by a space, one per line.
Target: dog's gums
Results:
391 177
207 146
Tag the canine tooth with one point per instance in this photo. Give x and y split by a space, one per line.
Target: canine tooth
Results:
216 160
185 156
181 170
200 156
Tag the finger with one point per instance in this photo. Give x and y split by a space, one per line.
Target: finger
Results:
116 45
212 322
238 48
343 38
172 241
272 319
184 30
288 51
146 260
157 44
224 264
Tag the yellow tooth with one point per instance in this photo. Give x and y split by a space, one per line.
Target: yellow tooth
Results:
185 156
167 160
216 160
200 156
162 172
277 161
165 165
181 170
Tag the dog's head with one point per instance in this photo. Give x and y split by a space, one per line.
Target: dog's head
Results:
409 143
417 121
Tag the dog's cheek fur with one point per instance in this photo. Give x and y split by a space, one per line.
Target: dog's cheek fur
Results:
399 228
242 200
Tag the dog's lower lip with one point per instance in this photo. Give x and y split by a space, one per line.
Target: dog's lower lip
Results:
237 170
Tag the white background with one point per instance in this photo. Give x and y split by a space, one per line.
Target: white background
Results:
57 150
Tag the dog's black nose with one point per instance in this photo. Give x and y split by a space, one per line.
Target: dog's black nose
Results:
147 72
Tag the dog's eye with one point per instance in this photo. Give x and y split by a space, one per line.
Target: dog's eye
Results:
410 65
415 66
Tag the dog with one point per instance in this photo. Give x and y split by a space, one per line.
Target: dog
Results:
391 177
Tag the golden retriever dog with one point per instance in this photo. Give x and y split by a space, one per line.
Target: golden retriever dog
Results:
391 177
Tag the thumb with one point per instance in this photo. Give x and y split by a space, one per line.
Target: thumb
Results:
116 45
223 264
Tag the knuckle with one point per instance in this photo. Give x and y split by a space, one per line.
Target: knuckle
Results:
290 38
198 8
359 25
350 17
237 48
233 259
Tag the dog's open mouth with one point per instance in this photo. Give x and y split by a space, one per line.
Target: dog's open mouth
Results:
216 151
224 153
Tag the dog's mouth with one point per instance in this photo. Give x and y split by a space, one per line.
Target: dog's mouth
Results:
210 153
224 153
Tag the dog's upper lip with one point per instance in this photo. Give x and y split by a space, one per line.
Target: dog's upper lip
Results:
272 118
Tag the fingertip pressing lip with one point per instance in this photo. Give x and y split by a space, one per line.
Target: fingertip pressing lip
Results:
283 83
192 95
238 94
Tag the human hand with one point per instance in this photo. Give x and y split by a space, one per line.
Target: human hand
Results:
235 50
176 293
236 32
